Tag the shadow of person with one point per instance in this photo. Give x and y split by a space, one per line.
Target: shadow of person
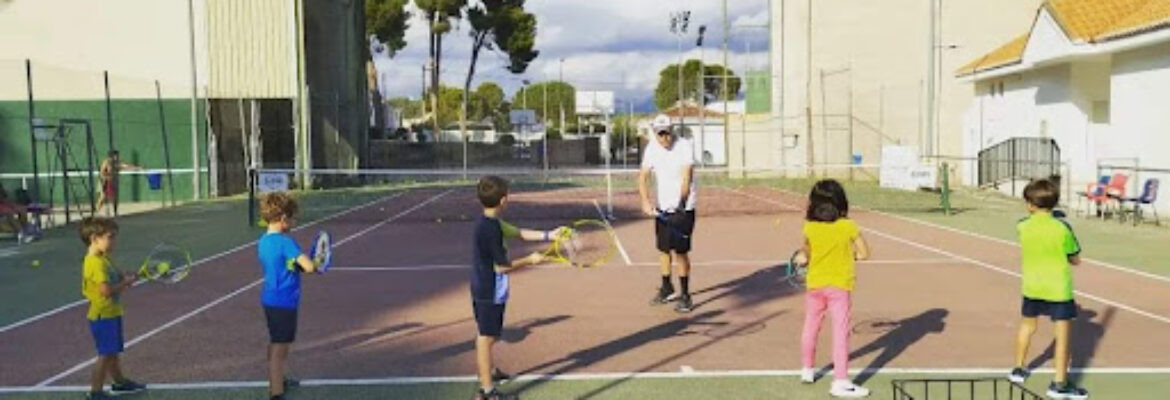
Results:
587 357
358 339
905 333
764 284
1086 337
512 334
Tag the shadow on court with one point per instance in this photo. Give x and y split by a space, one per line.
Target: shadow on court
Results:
762 285
512 334
904 333
1086 337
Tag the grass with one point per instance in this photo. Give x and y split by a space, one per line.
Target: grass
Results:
1110 386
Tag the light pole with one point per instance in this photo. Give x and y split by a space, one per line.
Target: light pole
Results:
679 21
702 93
544 117
560 105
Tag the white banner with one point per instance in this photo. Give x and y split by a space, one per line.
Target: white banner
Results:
272 182
900 169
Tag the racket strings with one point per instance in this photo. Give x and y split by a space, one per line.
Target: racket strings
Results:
588 245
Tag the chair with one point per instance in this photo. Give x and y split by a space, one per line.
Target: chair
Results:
1148 198
1095 194
1115 191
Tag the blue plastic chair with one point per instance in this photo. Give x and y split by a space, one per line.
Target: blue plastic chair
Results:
1148 198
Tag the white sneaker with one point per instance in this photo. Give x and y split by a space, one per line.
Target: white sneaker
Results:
846 389
808 375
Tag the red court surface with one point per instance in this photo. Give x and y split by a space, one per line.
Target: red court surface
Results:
397 304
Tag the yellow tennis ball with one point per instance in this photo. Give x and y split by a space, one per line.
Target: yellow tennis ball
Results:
163 267
36 263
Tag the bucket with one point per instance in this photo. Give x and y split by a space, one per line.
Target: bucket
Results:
154 180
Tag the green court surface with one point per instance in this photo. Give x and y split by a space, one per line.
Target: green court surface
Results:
1104 386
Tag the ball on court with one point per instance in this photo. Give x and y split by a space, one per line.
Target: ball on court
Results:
163 267
439 220
381 208
36 263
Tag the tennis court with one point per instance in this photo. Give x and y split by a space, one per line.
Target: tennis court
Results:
392 319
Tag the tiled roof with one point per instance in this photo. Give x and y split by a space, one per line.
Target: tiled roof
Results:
1084 21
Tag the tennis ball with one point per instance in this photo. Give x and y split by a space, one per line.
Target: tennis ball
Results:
36 263
439 220
163 267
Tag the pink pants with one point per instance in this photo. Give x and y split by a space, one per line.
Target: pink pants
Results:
839 304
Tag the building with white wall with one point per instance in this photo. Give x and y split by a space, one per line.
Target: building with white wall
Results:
1092 74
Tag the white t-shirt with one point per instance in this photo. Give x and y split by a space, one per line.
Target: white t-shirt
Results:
667 166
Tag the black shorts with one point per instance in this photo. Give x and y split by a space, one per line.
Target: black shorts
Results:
282 324
1057 310
678 238
489 318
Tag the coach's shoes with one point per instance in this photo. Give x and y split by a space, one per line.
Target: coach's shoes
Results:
665 295
1066 391
808 375
684 304
494 394
1019 375
847 389
126 386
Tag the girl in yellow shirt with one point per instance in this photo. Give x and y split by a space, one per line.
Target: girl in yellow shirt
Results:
832 243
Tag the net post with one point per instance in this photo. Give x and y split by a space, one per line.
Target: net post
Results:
945 196
608 191
251 197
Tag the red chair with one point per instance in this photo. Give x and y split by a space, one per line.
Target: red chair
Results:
1095 194
1115 192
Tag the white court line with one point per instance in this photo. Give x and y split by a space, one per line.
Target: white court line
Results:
1108 265
204 260
616 239
397 381
992 267
774 262
224 298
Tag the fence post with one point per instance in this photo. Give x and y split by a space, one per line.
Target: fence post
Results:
946 188
32 134
162 121
110 133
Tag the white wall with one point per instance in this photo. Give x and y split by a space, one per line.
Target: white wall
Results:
1140 111
72 41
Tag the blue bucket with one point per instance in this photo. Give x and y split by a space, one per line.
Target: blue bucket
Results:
857 159
154 180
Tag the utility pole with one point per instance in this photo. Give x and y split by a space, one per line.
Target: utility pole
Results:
931 84
702 99
808 89
726 78
679 21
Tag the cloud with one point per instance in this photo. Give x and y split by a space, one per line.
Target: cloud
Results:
617 45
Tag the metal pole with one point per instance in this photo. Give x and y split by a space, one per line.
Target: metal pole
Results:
544 143
726 78
110 133
808 89
89 156
166 145
931 79
194 95
702 106
32 134
851 159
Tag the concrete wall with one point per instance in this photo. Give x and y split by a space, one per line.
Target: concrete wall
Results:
884 46
1138 111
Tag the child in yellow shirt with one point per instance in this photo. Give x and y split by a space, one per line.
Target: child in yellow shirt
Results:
832 242
102 285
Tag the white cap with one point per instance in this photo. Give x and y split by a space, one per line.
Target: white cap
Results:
661 123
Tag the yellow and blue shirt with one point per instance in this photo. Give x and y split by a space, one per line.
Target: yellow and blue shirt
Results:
96 270
1046 243
278 254
489 250
831 259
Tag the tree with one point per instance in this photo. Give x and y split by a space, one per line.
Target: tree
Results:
486 101
440 15
561 96
410 109
387 20
666 94
504 26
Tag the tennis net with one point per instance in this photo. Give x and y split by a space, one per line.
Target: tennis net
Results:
568 194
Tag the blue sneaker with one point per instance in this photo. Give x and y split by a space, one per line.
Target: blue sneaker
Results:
126 386
1066 391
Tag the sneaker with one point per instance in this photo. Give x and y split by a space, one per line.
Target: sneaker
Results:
290 382
498 375
808 375
684 304
126 386
1019 375
665 295
277 397
494 394
1066 391
847 389
99 396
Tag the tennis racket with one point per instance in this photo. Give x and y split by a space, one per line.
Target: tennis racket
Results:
585 243
796 269
322 252
665 218
167 263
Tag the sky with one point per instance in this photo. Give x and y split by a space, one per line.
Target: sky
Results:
617 45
